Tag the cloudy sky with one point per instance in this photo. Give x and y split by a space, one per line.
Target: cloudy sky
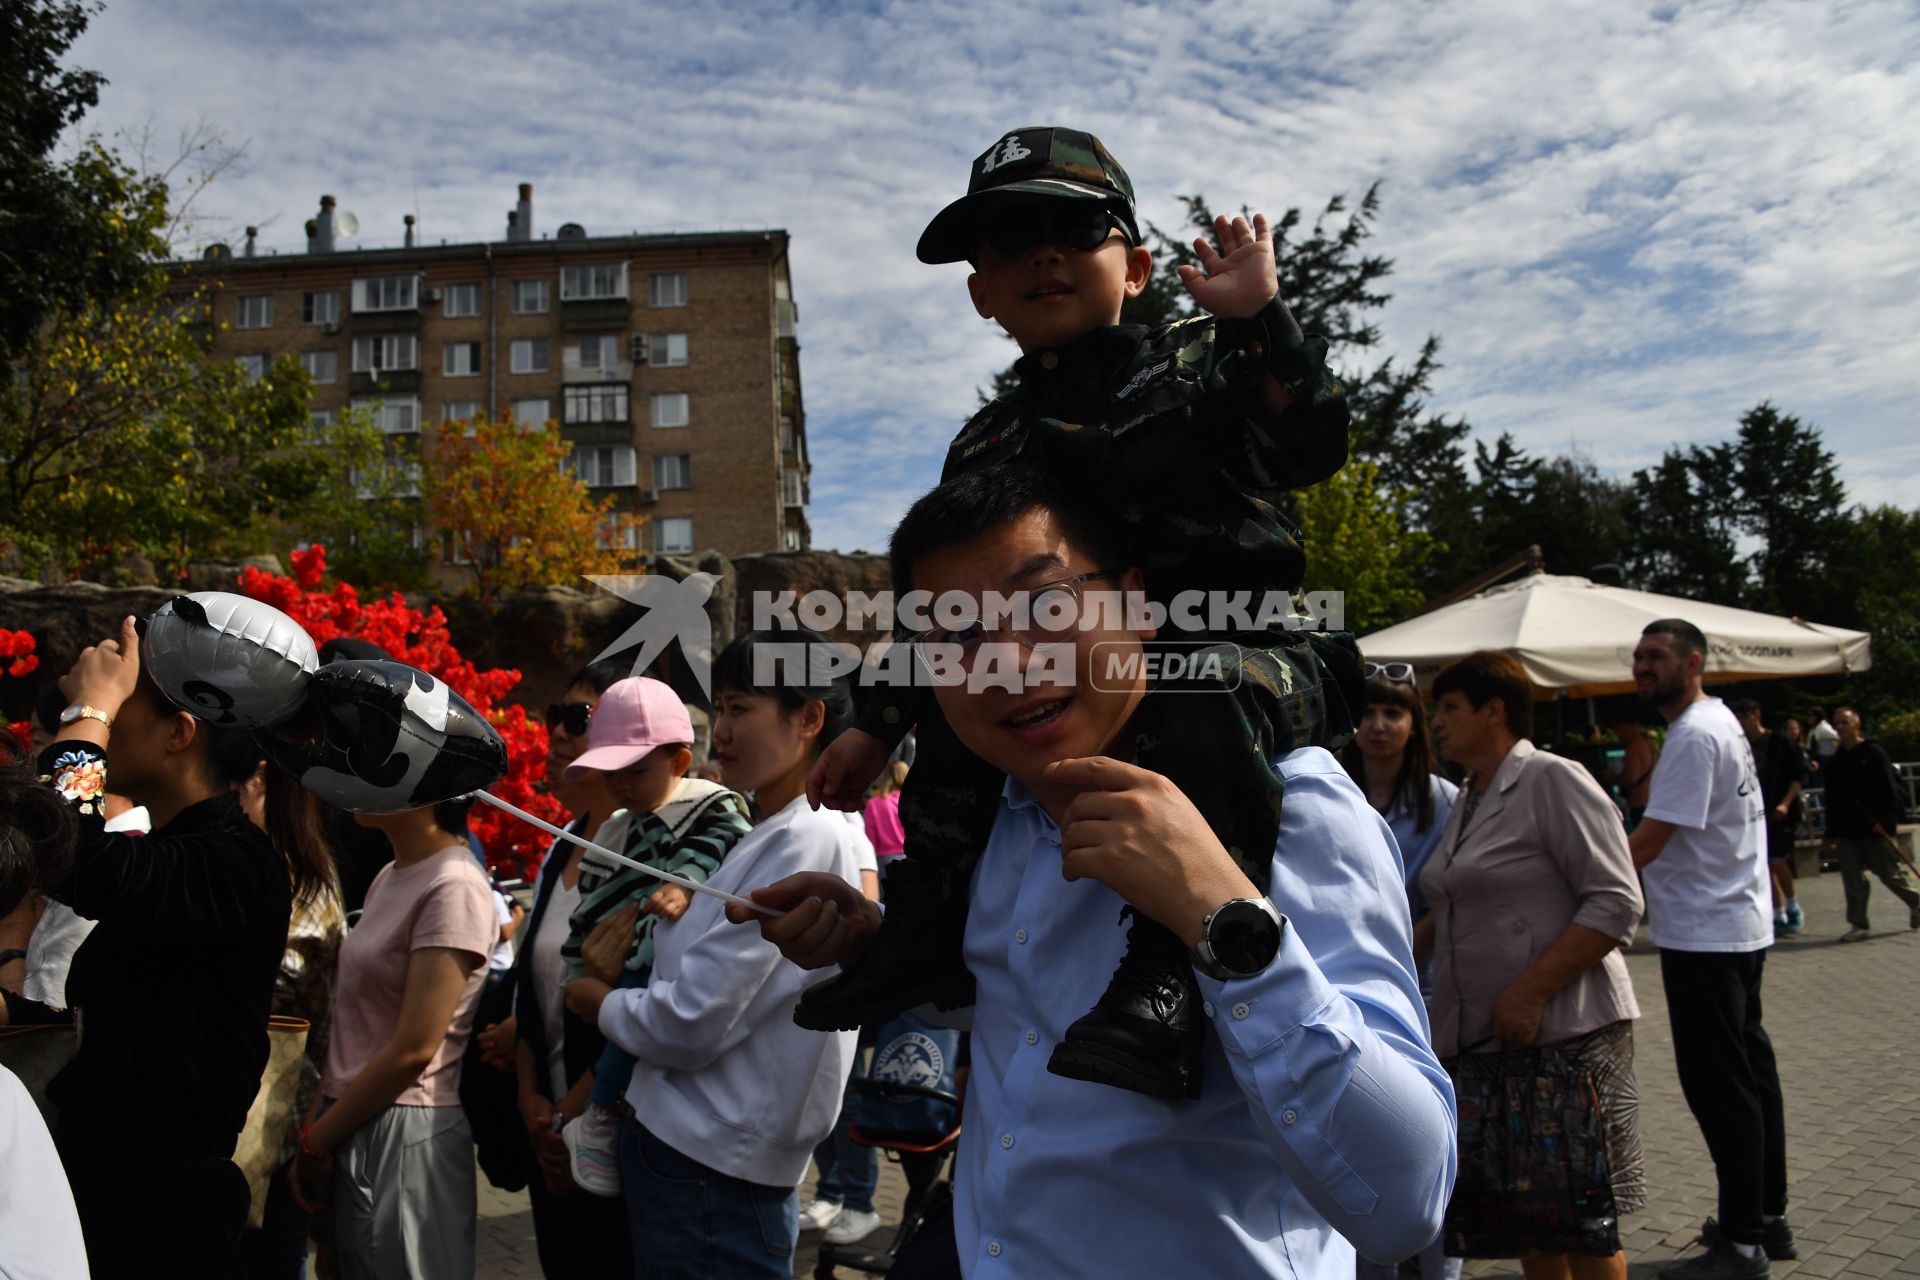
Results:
1628 223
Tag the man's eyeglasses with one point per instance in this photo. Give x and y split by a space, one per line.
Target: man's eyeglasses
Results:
1397 672
1053 613
1018 228
573 717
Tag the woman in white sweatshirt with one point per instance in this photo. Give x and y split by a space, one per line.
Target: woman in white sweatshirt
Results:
729 1097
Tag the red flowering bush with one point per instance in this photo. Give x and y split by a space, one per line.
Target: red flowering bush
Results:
16 650
421 640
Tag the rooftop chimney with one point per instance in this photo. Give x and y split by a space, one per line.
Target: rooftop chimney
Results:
520 221
409 221
252 233
320 230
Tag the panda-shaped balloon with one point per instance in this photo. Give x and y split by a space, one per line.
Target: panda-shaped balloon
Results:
380 736
229 659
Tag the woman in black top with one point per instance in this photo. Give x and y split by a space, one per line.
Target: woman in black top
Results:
175 983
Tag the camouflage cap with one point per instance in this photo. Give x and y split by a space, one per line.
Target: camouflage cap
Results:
1039 161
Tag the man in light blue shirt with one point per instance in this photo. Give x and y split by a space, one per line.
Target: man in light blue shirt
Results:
1323 1113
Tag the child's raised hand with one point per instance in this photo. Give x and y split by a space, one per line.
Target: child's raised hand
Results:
1236 280
669 902
840 777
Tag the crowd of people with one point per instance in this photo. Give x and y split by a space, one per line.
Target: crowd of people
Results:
1233 1004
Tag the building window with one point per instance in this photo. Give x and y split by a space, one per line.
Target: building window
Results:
460 359
600 280
603 466
666 350
386 293
321 366
320 306
529 297
459 410
531 415
461 300
620 532
395 417
673 535
671 409
597 403
255 311
667 289
320 424
386 352
529 355
256 366
791 491
595 351
672 471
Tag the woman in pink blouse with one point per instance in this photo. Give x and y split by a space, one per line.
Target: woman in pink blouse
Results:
882 814
1533 895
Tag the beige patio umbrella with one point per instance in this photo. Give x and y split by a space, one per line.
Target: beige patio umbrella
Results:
1577 636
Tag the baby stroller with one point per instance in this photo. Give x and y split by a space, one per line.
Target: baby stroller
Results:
907 1105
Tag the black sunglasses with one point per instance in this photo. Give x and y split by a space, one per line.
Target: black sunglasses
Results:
1019 228
1397 672
573 717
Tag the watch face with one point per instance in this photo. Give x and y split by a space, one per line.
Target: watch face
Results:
1244 938
71 714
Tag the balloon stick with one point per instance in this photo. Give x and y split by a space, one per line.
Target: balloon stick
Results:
604 852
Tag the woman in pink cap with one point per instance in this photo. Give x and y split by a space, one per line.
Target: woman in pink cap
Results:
729 1097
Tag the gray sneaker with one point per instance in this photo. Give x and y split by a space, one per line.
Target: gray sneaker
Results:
1859 933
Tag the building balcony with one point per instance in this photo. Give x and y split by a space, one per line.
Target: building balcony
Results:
620 371
387 382
595 313
363 322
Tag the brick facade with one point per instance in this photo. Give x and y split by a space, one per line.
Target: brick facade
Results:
744 445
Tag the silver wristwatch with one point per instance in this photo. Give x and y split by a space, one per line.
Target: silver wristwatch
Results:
1239 939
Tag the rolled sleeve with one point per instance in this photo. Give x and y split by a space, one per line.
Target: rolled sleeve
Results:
1585 839
1329 1043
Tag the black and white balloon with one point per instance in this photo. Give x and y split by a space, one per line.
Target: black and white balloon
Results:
228 659
382 736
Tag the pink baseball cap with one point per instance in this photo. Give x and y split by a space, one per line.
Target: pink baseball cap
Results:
635 716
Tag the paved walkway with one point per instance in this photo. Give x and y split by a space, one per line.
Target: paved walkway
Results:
1843 1020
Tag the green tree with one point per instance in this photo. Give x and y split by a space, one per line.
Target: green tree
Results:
1356 543
1562 504
1792 500
1685 513
65 238
366 508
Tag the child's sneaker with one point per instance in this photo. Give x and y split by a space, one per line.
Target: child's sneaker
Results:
590 1139
1796 919
1780 924
819 1215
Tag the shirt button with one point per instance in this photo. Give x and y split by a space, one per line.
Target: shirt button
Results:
1207 1009
1049 360
1006 1142
1255 350
993 1248
891 715
1241 1010
1033 1037
1288 1116
1020 936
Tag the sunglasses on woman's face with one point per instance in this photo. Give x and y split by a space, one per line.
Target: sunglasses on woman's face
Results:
573 717
1398 672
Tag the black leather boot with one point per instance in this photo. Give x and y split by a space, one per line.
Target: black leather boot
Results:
914 959
1146 1033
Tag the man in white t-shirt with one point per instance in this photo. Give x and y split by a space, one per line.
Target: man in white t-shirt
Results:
1702 851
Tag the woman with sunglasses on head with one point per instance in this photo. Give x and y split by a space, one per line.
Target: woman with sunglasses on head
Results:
729 1097
577 1235
1391 758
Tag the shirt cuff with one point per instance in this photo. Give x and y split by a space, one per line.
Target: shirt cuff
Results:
1254 1013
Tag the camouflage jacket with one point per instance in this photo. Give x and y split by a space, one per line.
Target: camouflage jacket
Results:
1164 429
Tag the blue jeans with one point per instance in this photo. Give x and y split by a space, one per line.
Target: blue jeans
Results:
614 1071
848 1171
690 1222
1434 1265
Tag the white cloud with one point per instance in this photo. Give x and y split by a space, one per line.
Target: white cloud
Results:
1627 225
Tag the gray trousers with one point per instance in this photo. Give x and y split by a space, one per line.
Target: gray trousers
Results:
405 1197
1861 854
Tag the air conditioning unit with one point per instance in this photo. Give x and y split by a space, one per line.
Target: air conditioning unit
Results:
649 495
331 328
433 295
637 348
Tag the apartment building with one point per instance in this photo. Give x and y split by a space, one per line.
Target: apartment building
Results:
669 362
